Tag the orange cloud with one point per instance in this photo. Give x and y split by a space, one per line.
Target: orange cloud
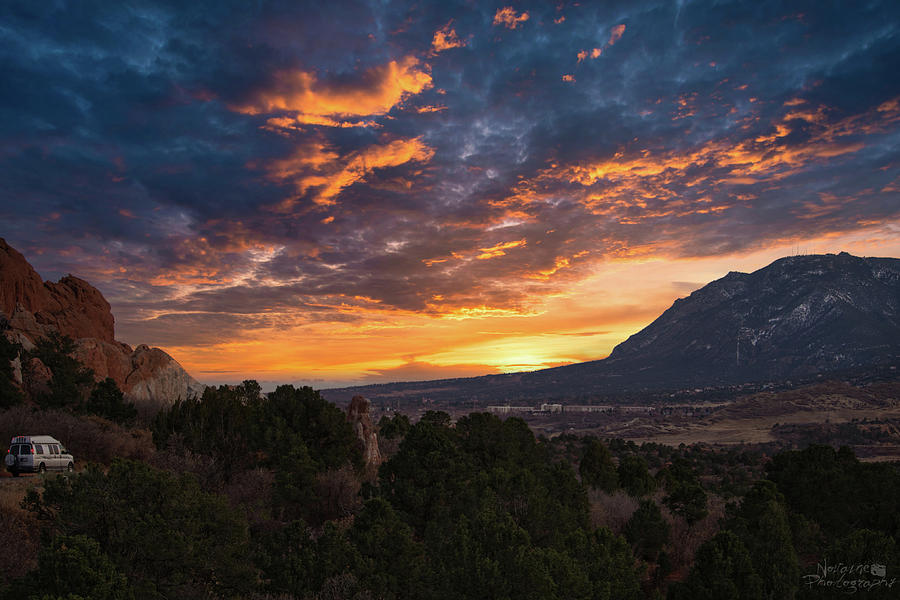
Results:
310 101
616 34
445 38
499 249
569 78
645 186
508 17
319 167
595 53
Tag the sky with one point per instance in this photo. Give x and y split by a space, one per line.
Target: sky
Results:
359 192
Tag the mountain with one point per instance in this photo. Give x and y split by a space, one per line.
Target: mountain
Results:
796 318
31 308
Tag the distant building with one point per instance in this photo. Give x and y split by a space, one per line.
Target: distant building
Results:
505 410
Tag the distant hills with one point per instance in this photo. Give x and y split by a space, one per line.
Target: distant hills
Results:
796 318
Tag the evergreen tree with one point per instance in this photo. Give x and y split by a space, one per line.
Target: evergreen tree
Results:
9 392
597 468
71 381
761 523
634 476
107 400
686 496
392 564
722 570
73 567
647 531
393 427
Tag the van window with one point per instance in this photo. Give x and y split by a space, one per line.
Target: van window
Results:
24 449
38 449
54 448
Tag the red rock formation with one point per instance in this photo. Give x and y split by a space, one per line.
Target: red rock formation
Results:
358 416
70 306
75 308
20 283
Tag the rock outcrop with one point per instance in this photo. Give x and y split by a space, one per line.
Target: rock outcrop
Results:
32 308
71 306
358 416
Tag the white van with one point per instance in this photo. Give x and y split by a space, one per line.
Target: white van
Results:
36 454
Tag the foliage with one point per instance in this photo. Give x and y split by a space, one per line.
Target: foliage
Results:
428 473
761 523
9 392
686 496
294 431
498 517
71 381
162 532
647 531
391 563
634 476
391 428
722 571
859 549
73 567
106 400
321 425
597 468
837 491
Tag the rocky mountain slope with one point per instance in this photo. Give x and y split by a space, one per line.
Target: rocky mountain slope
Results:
31 308
796 318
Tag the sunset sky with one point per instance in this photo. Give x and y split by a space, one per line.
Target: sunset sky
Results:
353 192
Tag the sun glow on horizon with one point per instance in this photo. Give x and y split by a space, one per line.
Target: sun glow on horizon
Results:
596 313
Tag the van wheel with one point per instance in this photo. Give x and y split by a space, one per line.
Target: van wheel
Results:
15 473
70 467
42 468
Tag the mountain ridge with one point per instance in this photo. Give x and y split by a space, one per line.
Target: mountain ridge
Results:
798 317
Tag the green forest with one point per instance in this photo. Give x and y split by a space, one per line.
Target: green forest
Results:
239 494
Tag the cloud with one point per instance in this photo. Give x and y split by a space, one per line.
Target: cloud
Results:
265 170
445 38
304 99
509 18
499 249
616 34
323 169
